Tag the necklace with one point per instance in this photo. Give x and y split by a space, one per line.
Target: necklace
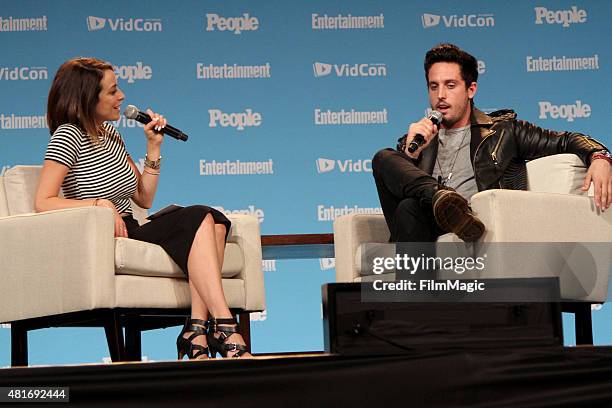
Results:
450 172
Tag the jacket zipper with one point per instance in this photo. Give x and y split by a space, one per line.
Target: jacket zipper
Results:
494 152
586 139
478 147
476 154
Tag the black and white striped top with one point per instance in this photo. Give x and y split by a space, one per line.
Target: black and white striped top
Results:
95 170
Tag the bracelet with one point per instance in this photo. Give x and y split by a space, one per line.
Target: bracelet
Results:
151 172
600 155
152 164
95 203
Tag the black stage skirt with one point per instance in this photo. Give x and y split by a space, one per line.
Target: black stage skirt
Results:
175 231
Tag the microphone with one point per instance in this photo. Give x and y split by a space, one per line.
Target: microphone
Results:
132 112
436 118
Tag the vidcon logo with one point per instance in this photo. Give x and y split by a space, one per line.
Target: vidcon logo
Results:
95 23
344 166
234 24
430 20
457 21
124 24
327 263
23 73
563 17
567 112
322 69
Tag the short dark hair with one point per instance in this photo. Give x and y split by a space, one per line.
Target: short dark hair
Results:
446 52
74 95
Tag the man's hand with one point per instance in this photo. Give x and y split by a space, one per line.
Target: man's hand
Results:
424 127
600 173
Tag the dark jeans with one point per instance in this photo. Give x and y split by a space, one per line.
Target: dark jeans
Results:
405 194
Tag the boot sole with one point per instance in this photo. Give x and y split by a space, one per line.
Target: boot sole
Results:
453 215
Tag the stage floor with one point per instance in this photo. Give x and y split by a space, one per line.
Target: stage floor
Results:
537 377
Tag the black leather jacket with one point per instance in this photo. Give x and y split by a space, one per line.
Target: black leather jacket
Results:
501 145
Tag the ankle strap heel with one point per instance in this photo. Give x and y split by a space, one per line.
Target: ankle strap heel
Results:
224 328
185 345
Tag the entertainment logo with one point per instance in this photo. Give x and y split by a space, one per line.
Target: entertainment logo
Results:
457 21
10 121
11 23
236 167
125 24
330 213
322 69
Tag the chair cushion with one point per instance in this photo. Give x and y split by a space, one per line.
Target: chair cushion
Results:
140 258
560 173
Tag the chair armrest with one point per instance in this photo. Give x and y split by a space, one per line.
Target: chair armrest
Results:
56 262
245 232
522 216
350 231
526 216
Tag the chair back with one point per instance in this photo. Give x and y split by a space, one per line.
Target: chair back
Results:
18 189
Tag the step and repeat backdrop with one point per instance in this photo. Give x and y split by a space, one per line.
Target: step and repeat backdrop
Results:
285 103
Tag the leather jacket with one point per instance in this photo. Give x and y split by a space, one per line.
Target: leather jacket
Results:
501 145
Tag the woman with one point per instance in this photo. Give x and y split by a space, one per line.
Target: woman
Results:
86 156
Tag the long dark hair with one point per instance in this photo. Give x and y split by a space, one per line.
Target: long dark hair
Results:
74 95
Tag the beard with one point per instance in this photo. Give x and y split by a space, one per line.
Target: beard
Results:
448 121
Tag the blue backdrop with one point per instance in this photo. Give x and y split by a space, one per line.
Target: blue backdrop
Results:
310 90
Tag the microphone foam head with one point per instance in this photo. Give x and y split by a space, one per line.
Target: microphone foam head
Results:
131 112
435 116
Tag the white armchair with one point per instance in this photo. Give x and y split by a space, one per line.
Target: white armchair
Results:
64 267
553 210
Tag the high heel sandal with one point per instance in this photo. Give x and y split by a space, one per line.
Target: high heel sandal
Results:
185 345
225 328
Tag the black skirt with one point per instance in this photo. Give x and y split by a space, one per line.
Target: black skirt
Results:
175 231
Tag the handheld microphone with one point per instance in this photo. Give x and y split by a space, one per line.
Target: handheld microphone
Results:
419 140
132 112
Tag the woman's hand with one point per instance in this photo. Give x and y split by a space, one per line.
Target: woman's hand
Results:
120 229
153 129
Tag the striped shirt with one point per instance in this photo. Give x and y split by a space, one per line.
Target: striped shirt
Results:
94 170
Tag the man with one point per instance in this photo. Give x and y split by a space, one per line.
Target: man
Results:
425 194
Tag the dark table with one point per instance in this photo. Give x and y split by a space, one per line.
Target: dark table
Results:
297 246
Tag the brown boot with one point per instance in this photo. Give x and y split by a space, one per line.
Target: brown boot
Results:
453 214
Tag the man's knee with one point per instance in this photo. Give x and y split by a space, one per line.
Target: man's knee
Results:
381 157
